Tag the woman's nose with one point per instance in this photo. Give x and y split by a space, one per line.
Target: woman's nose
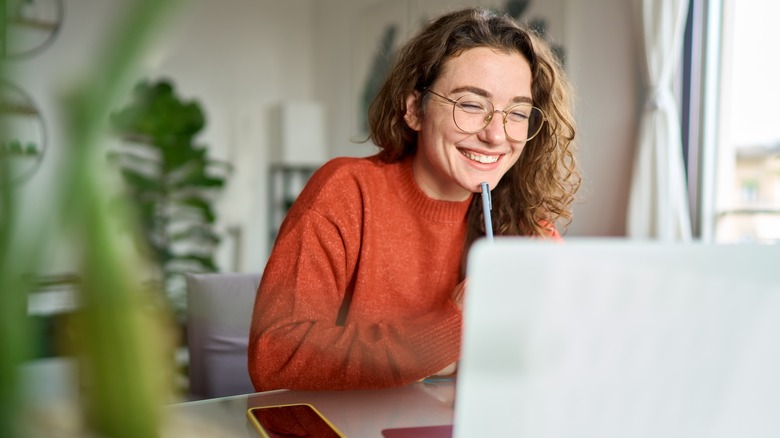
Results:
494 131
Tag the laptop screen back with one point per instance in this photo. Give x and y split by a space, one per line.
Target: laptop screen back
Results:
616 338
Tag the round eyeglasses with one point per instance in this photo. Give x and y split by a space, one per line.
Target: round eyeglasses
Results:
472 113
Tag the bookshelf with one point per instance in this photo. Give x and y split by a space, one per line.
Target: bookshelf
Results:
285 182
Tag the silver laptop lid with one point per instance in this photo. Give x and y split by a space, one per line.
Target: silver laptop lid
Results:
617 338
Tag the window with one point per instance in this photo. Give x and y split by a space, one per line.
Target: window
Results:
734 173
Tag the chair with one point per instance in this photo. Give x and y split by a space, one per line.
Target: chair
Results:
219 314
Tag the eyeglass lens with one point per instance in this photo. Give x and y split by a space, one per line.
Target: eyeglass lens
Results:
472 113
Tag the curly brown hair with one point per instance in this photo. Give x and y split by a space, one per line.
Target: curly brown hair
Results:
537 192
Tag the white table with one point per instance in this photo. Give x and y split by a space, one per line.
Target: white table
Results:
356 413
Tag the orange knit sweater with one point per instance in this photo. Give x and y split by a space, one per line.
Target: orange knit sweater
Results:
356 292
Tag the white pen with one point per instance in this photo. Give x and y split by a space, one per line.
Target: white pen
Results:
487 205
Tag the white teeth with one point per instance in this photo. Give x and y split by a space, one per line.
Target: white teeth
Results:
485 159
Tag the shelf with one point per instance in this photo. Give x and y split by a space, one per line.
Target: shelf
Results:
16 109
54 294
285 183
34 23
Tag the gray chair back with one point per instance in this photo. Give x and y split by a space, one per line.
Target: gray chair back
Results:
219 313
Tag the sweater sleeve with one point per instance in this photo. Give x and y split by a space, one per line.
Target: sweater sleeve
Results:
297 339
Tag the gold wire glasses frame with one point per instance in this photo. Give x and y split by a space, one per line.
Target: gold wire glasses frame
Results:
473 113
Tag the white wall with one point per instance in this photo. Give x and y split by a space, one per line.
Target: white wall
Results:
240 58
604 67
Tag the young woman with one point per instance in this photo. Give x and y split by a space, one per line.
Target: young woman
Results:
365 283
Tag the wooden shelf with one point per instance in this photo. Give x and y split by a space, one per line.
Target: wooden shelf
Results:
34 23
25 110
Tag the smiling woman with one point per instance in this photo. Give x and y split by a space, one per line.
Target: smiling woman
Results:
364 286
451 162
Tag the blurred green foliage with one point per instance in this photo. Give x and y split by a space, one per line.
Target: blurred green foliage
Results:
171 181
122 339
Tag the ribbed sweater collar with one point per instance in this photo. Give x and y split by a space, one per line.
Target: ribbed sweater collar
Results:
427 207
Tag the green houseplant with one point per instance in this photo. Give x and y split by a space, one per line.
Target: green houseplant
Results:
171 180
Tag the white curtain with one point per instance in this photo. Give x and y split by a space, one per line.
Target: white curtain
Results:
658 203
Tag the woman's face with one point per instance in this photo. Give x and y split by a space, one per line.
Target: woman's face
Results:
450 164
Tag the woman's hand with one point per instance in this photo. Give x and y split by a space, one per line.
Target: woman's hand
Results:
459 293
447 371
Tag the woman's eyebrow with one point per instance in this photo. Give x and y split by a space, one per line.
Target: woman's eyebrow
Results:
484 93
472 89
522 99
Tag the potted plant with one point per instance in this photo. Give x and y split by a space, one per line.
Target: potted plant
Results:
171 181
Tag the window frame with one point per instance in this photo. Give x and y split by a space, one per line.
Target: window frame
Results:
701 99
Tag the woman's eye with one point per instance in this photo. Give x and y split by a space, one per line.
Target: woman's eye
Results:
472 106
518 115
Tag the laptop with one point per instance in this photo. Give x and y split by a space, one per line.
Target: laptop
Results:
619 338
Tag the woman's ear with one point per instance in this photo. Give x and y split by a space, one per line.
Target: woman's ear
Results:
412 114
